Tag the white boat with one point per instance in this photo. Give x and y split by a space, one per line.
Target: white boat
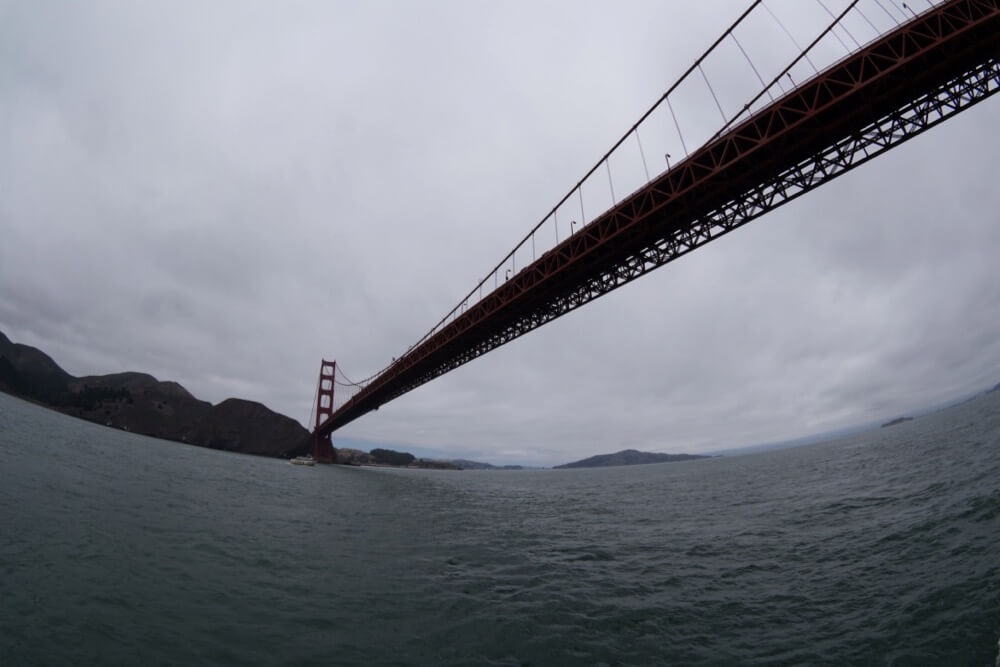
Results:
303 461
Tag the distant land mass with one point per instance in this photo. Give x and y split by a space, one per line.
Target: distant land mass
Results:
140 403
897 420
388 457
466 464
629 457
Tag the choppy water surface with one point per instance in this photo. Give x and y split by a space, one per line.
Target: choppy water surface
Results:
883 549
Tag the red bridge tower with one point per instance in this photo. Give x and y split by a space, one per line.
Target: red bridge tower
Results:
323 450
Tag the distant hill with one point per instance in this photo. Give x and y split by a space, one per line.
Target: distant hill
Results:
466 464
140 403
629 457
897 420
357 457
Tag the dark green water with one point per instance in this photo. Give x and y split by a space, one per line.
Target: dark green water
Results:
882 549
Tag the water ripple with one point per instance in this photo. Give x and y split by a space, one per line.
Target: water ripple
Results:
875 550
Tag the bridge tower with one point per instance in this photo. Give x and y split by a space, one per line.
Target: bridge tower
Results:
322 446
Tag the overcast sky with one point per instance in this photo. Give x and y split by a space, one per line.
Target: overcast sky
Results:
224 193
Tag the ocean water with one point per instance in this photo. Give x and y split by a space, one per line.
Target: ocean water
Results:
880 549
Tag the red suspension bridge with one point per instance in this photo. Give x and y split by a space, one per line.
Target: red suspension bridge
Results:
803 126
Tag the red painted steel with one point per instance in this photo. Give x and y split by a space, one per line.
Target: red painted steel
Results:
909 80
322 449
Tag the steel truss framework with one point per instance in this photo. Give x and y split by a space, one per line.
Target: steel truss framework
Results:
926 71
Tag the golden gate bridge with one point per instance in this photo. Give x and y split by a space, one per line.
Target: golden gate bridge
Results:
872 75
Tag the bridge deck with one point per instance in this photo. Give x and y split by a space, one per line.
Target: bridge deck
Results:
910 79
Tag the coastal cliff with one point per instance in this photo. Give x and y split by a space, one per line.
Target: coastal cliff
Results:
140 403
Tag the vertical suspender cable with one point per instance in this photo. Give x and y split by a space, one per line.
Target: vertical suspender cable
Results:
846 47
641 154
870 24
752 66
678 126
711 90
607 164
887 12
790 36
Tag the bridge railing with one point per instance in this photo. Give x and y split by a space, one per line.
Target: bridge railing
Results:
771 48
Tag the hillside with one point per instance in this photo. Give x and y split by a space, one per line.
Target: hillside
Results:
140 403
466 464
629 457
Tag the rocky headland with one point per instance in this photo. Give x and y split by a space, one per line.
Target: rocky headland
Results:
140 403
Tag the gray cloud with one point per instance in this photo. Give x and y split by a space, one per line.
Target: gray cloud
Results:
223 194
